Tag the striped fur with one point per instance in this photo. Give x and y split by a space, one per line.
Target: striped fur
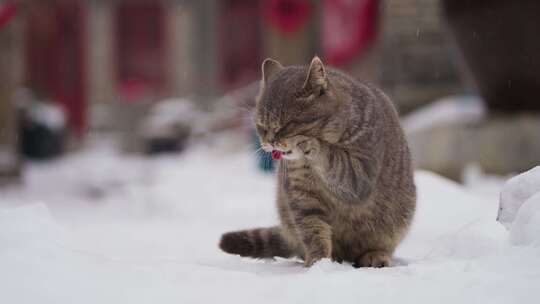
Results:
256 243
346 191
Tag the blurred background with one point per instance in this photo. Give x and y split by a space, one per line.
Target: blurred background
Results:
163 75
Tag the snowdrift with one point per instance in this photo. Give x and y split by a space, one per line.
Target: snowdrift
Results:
519 209
102 228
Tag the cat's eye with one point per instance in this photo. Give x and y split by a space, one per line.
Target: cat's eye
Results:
287 128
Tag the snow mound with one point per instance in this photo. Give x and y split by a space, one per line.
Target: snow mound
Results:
167 115
525 229
515 193
450 110
47 114
23 225
451 222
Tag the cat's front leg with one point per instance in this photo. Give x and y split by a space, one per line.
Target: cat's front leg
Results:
310 221
308 211
315 234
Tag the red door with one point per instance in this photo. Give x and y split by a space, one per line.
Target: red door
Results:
140 49
55 56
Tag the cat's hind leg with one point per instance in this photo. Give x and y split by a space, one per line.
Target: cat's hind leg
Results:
373 258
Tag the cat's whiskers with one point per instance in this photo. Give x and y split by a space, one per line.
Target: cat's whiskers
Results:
259 153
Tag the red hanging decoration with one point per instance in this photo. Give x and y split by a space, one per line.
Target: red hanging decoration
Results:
7 12
287 16
349 27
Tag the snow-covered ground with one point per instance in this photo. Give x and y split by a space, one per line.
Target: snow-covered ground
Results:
99 227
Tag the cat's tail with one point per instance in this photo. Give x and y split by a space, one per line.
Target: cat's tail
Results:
256 243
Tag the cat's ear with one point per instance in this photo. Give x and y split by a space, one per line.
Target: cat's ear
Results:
316 80
269 68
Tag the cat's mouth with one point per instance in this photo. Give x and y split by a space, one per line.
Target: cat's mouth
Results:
277 154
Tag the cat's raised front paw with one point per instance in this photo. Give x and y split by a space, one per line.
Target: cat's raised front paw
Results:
310 147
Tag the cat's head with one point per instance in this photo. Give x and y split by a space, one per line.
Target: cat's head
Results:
293 102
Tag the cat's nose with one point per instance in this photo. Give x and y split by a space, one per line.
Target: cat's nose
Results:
271 138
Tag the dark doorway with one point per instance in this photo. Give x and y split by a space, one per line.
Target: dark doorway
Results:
55 56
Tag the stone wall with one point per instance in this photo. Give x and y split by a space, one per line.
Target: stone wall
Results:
498 145
417 62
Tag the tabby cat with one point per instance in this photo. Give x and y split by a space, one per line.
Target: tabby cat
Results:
345 181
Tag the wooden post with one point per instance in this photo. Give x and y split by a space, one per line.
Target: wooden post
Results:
205 82
296 47
179 29
101 93
10 42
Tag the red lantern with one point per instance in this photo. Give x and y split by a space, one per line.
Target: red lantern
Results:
287 16
348 29
7 12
